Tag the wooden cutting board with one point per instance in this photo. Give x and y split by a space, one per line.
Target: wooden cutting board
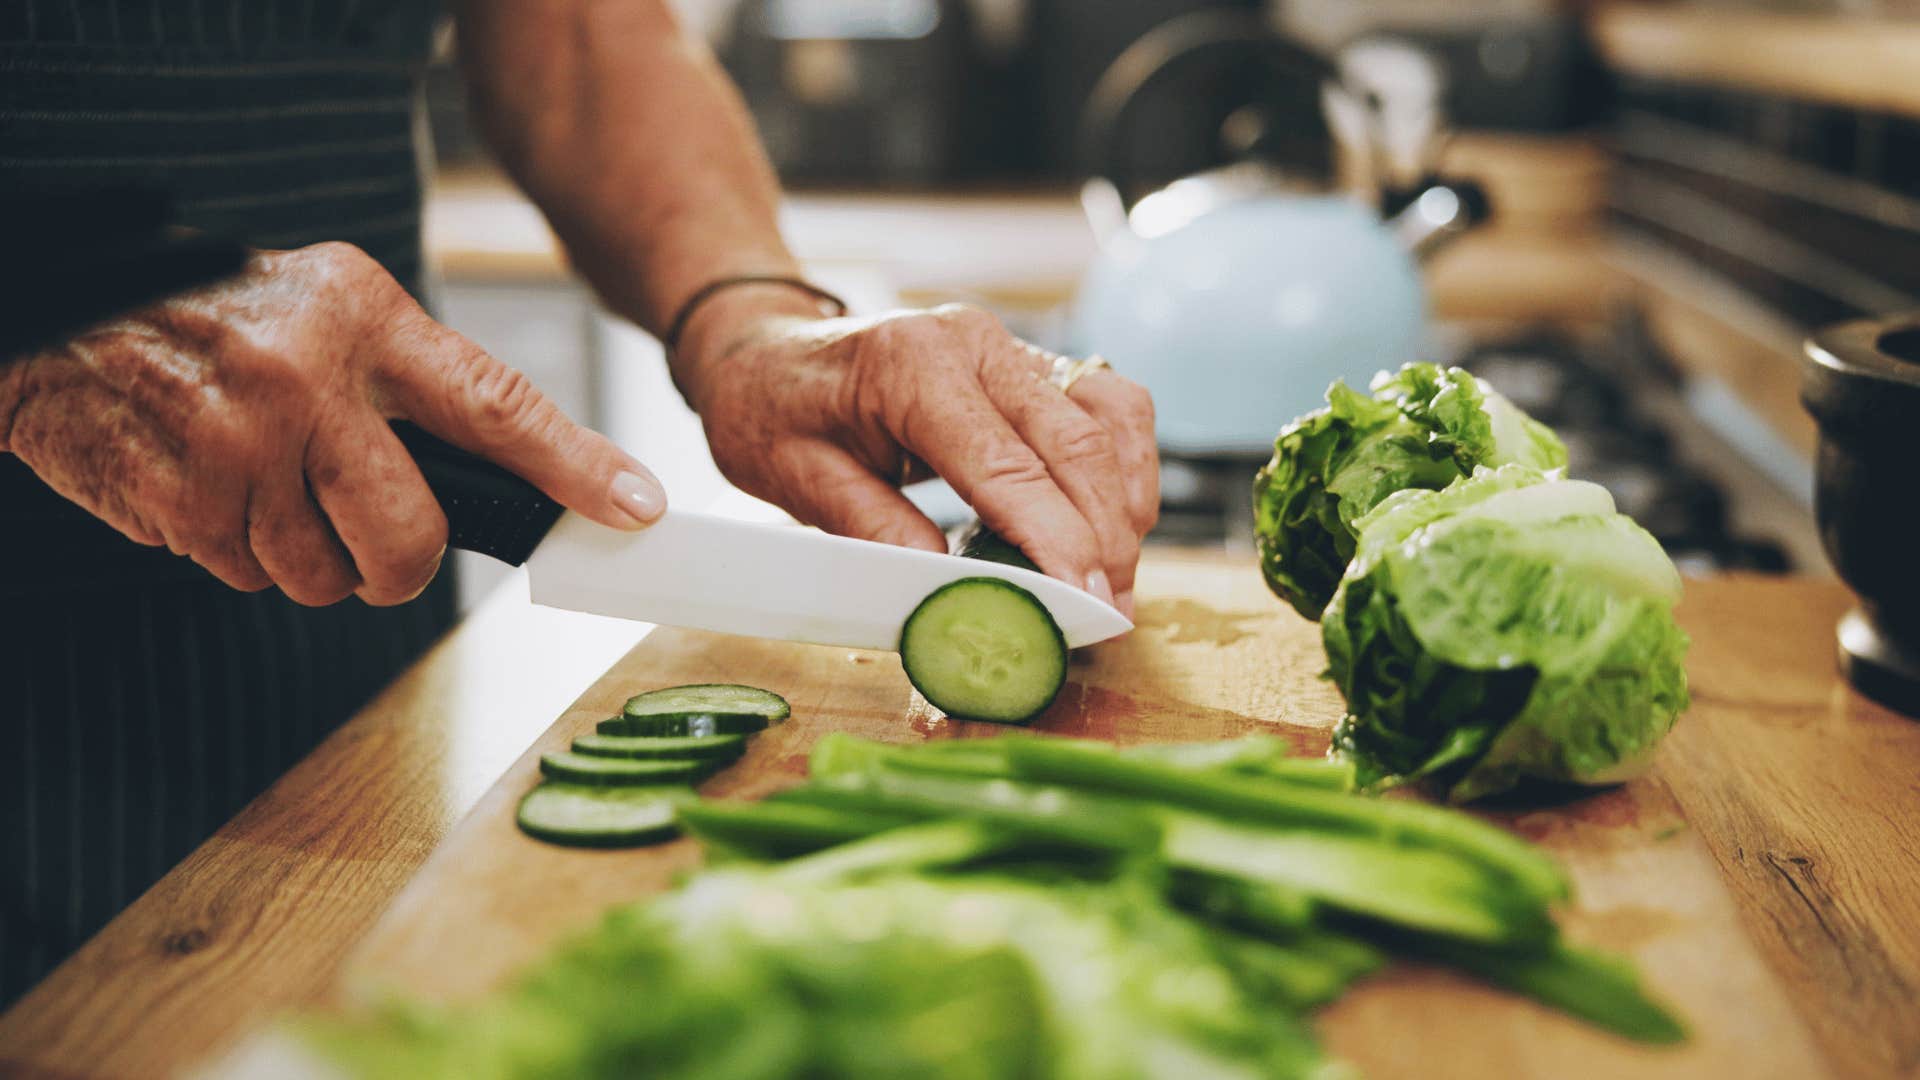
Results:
1774 902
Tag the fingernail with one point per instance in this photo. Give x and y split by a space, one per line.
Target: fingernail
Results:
1125 603
640 496
1098 585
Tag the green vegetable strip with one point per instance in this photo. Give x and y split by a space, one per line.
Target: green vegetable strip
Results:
1070 762
1261 755
780 829
1425 889
1598 989
1254 906
915 847
1304 971
1310 772
838 753
1035 811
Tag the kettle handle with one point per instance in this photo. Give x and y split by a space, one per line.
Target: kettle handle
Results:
1112 109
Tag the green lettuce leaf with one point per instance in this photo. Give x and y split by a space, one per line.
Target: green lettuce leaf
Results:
1421 427
1510 627
750 974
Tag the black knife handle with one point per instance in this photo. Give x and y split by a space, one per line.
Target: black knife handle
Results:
489 510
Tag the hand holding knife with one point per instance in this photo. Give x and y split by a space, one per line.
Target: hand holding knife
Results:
713 573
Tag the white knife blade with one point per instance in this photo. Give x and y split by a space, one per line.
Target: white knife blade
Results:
774 581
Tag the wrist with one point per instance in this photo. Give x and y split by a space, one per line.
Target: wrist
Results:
730 318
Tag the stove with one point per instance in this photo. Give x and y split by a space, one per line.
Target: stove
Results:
1614 402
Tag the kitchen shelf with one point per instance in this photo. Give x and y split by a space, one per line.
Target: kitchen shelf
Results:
1865 62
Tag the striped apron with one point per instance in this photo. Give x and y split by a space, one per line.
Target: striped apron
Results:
142 703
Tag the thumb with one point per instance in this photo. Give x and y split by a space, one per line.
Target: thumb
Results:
451 387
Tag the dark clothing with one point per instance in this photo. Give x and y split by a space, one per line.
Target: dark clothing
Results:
146 703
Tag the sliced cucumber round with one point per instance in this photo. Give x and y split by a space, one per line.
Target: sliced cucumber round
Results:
707 709
588 816
723 747
624 772
677 727
984 649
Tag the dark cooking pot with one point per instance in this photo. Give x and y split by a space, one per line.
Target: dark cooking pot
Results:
1861 382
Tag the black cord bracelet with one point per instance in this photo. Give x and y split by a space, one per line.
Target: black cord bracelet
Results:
706 292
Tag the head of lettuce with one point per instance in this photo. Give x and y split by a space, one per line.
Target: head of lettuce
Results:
1511 627
1423 426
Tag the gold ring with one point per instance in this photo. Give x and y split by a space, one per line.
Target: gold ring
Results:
1066 371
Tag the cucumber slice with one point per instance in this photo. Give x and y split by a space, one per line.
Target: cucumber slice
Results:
624 772
707 709
984 649
725 747
678 727
592 816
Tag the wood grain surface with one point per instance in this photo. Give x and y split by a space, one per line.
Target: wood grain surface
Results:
1856 59
1766 875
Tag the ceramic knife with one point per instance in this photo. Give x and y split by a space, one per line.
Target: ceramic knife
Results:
717 573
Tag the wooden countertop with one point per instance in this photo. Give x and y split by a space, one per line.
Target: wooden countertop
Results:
1800 851
1025 250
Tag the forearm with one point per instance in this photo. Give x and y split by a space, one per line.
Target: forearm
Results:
630 137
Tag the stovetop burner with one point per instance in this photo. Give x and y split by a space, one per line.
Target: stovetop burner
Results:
1594 398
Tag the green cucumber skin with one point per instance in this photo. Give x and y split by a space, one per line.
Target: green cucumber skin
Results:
592 771
766 705
933 695
528 817
718 747
976 541
656 727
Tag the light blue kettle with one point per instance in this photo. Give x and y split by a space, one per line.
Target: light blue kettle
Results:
1236 295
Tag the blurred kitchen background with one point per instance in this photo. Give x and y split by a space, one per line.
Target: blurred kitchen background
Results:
1625 216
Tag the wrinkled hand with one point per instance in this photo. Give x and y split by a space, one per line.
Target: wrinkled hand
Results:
245 425
826 417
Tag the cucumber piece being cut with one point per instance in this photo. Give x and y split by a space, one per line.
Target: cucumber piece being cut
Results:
624 772
984 649
591 816
707 709
723 747
976 541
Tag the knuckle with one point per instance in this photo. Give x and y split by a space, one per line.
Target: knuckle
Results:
321 587
223 442
236 567
504 401
1140 398
1010 467
967 317
341 271
418 549
1086 443
337 258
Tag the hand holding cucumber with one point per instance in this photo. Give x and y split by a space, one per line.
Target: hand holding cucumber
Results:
826 417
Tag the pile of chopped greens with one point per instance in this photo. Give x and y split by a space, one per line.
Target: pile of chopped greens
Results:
1021 907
